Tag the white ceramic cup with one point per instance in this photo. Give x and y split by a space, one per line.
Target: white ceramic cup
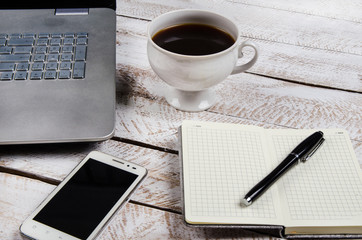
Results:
190 77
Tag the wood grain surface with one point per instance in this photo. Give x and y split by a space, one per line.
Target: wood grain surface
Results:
308 75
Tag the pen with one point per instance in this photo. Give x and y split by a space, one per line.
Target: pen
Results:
301 153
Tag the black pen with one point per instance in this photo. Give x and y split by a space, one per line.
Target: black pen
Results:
301 153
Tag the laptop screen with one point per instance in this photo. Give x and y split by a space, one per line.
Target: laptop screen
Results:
46 4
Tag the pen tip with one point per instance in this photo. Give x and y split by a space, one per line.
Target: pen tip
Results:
245 202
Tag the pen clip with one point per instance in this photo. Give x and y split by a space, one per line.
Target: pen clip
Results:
312 151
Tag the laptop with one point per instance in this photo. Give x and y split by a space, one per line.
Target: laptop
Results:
57 71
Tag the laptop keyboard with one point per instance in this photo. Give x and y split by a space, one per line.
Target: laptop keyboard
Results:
44 56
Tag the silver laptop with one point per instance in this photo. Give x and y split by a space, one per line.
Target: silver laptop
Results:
57 71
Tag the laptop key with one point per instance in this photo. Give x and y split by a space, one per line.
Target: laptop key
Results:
80 52
15 58
68 41
50 75
53 57
7 66
37 66
69 35
42 42
41 49
57 35
64 74
6 76
66 66
66 57
51 66
23 49
5 50
2 42
29 35
15 35
21 42
54 49
44 35
81 41
56 41
82 34
67 49
79 70
21 75
22 67
39 58
36 75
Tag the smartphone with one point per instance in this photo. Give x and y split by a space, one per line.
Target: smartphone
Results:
85 200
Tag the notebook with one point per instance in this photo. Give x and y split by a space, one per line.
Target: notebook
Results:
221 162
57 71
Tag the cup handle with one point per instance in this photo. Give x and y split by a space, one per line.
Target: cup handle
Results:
244 67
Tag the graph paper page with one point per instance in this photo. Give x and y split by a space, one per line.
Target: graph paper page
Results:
221 163
327 189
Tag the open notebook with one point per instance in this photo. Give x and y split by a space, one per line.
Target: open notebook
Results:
222 162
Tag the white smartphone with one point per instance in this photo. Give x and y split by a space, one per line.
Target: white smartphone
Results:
86 200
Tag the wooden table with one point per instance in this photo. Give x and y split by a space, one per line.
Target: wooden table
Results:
309 75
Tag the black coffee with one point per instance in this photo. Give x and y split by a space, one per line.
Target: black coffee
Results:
193 39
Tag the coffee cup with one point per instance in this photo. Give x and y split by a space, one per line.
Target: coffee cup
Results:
191 68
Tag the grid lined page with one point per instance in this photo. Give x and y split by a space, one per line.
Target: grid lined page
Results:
220 166
327 187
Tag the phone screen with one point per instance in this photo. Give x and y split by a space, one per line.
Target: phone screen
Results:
86 198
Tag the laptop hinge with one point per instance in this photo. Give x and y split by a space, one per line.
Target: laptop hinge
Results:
71 11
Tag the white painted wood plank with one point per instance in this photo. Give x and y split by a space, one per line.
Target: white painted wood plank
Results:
161 187
277 60
265 23
262 99
290 105
20 196
148 124
155 121
296 108
349 10
309 66
138 222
